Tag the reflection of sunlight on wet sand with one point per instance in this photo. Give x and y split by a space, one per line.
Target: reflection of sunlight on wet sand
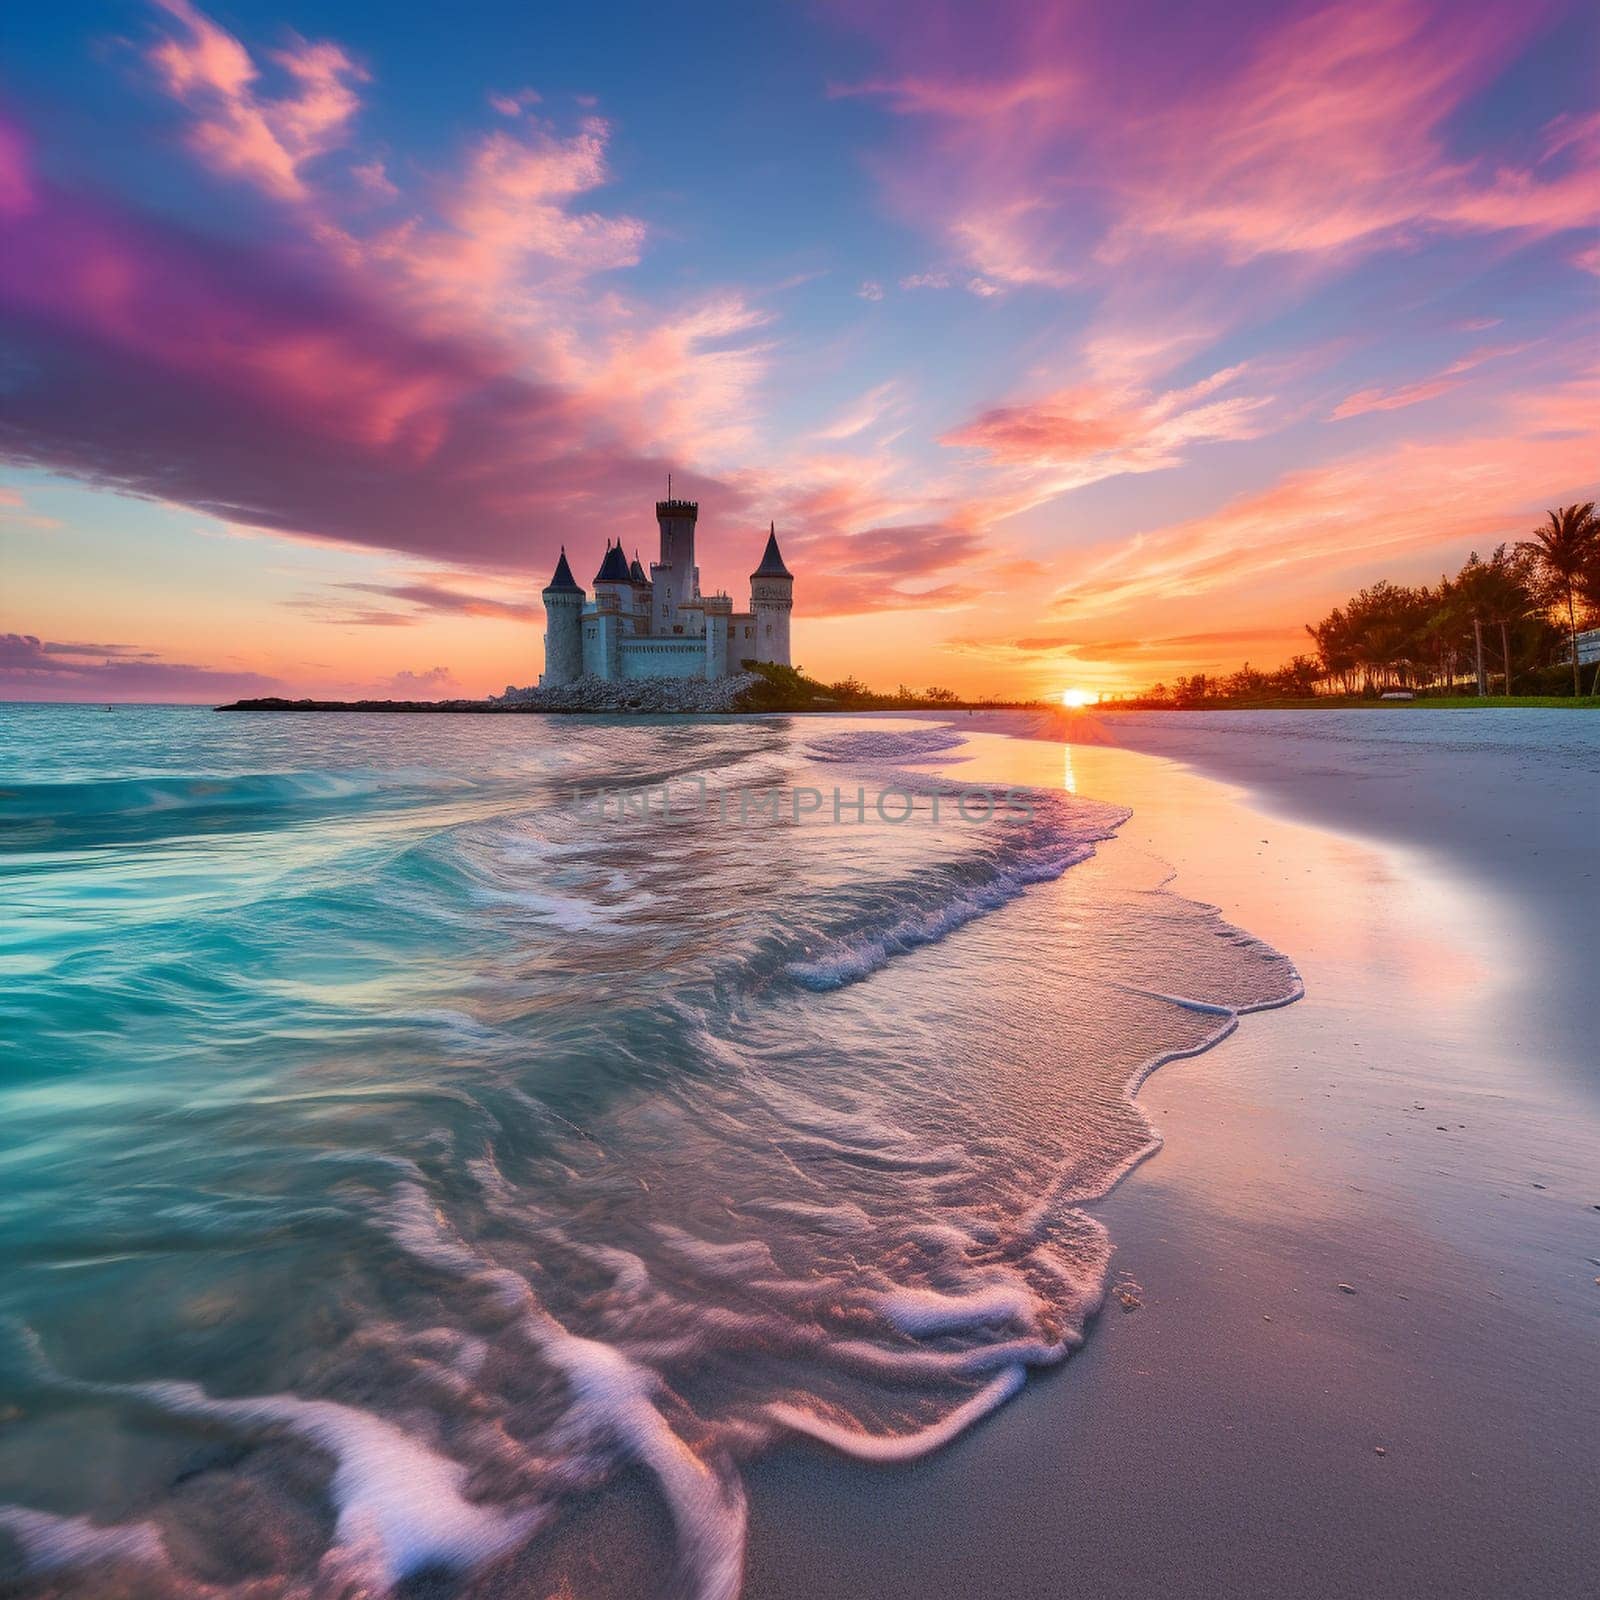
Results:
1329 900
1405 965
1333 901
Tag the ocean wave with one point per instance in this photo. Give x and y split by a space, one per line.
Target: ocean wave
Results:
119 810
894 747
947 906
469 1160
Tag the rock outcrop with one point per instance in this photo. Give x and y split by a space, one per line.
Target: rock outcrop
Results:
627 697
639 696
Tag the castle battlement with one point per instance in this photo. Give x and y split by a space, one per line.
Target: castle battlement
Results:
661 626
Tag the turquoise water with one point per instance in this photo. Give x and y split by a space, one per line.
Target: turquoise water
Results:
409 1156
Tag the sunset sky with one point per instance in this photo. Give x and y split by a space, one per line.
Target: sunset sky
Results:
1066 344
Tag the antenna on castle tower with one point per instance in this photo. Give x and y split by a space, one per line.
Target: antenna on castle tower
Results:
669 486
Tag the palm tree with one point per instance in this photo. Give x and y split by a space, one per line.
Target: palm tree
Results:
1561 550
1498 593
1589 594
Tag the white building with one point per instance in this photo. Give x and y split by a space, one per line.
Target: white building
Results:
661 626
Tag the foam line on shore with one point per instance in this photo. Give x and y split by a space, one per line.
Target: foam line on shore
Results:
908 1446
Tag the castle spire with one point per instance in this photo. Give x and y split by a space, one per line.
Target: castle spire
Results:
563 578
772 558
614 569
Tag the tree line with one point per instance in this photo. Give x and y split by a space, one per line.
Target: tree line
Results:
1510 621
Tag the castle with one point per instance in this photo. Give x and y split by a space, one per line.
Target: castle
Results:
661 626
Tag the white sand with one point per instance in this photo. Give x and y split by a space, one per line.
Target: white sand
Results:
1423 1127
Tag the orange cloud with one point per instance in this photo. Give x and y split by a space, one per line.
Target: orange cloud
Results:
1391 503
1410 394
895 568
1193 649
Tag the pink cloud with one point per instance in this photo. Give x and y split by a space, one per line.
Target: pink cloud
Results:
865 547
856 418
373 176
1109 428
513 105
433 684
1051 148
438 599
240 132
901 568
510 212
1410 394
683 380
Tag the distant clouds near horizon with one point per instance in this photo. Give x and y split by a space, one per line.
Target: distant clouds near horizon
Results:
1063 343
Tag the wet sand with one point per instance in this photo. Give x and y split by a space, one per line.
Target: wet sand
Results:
1363 1351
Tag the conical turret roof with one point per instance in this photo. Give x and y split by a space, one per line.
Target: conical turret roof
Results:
563 579
772 558
637 572
614 569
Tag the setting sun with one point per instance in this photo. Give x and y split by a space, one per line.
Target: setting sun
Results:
1077 699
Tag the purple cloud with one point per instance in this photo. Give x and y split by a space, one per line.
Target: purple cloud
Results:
289 391
36 669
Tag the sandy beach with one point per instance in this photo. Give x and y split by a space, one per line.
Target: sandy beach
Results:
1367 1259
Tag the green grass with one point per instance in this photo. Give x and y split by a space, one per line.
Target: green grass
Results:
784 689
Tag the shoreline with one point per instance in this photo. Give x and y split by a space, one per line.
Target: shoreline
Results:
934 709
1422 1127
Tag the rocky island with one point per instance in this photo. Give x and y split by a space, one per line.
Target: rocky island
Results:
766 687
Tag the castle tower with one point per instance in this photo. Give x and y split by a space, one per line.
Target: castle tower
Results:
563 627
675 577
643 618
613 588
772 599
